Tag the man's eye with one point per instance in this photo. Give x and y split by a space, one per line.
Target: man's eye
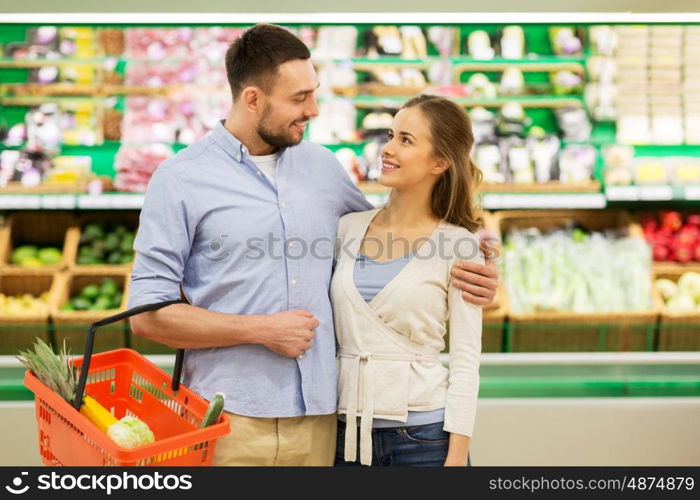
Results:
300 99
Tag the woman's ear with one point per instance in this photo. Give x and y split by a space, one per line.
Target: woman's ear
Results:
441 165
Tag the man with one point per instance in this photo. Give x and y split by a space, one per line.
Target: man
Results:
245 220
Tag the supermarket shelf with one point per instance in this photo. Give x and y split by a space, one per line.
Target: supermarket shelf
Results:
112 201
496 201
372 102
76 89
545 375
8 63
652 193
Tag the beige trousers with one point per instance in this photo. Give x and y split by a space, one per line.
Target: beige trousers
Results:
307 440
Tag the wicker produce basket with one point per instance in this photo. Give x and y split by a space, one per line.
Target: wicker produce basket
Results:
567 331
678 331
18 332
72 325
128 219
42 229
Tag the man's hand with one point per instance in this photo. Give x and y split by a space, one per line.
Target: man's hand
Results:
290 333
478 282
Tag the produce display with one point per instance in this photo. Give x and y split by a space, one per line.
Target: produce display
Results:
673 237
682 295
572 270
105 244
33 256
24 305
102 297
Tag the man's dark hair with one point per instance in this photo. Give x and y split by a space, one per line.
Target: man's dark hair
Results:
255 57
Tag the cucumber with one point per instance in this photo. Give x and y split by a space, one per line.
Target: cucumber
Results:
216 407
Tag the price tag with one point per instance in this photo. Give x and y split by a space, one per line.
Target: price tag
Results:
622 193
655 193
58 201
93 201
692 193
127 201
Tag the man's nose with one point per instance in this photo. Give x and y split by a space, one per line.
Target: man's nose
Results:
313 108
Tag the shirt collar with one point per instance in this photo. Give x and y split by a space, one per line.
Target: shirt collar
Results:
232 145
228 141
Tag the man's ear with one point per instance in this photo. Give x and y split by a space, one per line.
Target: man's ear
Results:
251 98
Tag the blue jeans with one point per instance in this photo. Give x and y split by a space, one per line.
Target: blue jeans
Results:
417 446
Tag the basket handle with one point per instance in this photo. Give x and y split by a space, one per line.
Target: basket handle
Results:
90 341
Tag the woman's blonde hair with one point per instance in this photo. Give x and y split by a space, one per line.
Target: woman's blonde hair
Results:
454 196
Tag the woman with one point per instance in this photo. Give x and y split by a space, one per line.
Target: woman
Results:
392 298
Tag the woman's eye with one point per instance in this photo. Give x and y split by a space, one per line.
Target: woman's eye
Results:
406 140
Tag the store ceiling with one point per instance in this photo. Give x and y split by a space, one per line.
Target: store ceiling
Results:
232 6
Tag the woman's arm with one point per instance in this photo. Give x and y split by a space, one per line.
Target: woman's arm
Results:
458 451
464 359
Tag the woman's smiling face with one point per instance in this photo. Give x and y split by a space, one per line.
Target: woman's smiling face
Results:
407 158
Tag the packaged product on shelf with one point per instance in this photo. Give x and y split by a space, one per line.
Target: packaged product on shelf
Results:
566 83
520 165
633 128
543 148
481 88
618 166
512 82
512 120
69 170
414 43
685 170
335 42
479 45
564 41
483 125
377 122
111 41
650 170
576 163
574 124
335 123
512 42
135 165
487 157
603 40
383 41
445 40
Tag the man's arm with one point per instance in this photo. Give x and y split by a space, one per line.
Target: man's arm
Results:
183 326
478 282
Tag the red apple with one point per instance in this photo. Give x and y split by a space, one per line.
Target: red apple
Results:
686 237
693 220
671 220
697 253
661 253
684 255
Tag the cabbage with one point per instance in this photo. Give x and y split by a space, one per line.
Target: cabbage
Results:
130 432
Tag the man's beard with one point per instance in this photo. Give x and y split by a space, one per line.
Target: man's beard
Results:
277 140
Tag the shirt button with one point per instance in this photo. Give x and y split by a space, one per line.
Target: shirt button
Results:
294 282
283 205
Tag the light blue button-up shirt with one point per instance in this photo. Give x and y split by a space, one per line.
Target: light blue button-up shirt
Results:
213 222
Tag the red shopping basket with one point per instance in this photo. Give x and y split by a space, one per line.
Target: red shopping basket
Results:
126 383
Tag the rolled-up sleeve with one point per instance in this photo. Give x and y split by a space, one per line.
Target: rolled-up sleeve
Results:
163 241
